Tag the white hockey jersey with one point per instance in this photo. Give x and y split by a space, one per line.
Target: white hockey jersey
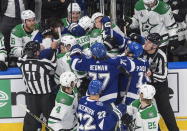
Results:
63 64
63 115
145 119
158 19
19 38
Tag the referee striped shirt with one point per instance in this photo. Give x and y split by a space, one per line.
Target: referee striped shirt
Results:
36 74
158 65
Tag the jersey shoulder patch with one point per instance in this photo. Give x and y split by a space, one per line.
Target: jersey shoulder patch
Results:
64 98
99 103
162 8
18 31
139 5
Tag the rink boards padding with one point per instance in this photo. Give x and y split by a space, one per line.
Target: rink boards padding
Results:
12 94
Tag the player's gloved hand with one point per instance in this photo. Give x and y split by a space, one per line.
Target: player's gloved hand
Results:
127 119
86 23
76 29
119 109
75 50
127 21
3 66
124 22
106 23
109 43
173 45
137 38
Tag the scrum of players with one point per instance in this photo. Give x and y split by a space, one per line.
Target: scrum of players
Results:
103 80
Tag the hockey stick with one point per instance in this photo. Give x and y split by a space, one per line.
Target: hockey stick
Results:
102 7
35 117
127 89
71 10
118 125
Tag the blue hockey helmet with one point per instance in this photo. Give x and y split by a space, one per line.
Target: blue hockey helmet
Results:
98 50
95 87
135 48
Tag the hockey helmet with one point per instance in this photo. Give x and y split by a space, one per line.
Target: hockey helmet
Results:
135 48
95 87
155 38
98 50
68 40
30 49
75 7
67 78
27 14
95 15
147 90
86 23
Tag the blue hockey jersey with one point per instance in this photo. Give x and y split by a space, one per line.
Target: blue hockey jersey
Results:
95 116
137 78
105 70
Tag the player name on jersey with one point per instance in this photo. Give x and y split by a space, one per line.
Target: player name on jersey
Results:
86 109
98 67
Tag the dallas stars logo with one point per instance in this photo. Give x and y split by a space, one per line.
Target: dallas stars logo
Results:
147 26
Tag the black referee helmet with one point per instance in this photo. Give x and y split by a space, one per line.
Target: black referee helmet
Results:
31 48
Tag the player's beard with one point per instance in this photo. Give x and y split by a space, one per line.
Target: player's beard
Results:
30 28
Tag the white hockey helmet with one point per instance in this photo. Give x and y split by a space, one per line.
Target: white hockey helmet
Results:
27 14
75 7
68 40
95 15
67 78
148 1
86 23
147 90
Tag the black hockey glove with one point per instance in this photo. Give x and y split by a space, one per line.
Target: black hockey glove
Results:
173 45
126 21
127 119
137 38
109 43
75 50
3 66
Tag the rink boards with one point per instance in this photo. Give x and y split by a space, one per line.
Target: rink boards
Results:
12 94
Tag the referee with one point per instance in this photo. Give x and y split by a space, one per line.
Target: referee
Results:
40 98
158 66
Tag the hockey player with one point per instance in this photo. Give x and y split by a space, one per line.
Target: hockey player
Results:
74 12
100 66
50 35
81 32
3 54
63 116
23 33
178 9
108 33
138 76
94 115
63 58
155 16
145 114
